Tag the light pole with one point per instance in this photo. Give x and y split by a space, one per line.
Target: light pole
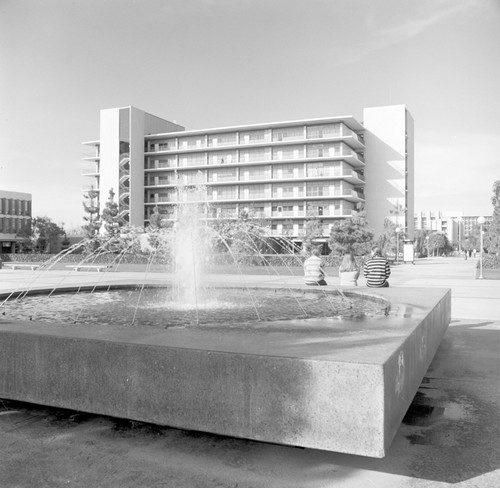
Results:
427 242
398 230
481 221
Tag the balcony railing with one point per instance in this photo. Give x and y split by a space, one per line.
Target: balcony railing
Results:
275 141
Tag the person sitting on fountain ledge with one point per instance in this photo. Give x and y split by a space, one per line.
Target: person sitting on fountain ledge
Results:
313 269
377 270
348 270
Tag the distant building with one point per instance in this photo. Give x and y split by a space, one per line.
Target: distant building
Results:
15 216
470 221
455 225
284 172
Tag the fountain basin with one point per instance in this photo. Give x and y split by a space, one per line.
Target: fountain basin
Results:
337 385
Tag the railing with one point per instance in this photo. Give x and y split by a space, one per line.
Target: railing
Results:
163 165
347 172
88 171
264 157
222 143
349 132
263 140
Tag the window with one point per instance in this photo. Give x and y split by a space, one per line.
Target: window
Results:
226 139
257 191
252 137
288 152
323 150
317 189
223 175
224 193
325 130
256 173
195 159
249 155
193 141
288 133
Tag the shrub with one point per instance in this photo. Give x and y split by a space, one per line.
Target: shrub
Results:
490 261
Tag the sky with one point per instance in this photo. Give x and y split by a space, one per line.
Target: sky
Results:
215 63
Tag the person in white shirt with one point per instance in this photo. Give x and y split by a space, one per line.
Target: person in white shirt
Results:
313 269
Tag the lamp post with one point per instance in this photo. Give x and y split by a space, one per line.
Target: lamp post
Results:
427 242
398 230
481 221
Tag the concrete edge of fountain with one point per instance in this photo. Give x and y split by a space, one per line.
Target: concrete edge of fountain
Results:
344 387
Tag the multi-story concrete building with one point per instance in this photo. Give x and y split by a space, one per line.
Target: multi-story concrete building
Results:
469 222
284 172
449 223
15 216
455 225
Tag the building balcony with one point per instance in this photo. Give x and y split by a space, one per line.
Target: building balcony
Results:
353 196
354 159
351 139
87 188
349 195
90 172
351 176
91 157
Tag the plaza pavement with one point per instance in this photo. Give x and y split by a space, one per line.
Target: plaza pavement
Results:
450 435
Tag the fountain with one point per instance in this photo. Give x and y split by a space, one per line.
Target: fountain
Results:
306 376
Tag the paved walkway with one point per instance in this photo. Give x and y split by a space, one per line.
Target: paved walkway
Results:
449 437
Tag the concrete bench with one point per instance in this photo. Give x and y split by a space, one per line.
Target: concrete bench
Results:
85 267
31 266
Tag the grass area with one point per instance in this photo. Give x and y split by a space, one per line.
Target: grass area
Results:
489 274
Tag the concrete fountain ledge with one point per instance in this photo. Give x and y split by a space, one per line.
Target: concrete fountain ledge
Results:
328 384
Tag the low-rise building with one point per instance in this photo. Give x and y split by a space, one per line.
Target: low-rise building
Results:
454 224
15 217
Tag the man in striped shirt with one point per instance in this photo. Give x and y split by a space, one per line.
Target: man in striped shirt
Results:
377 270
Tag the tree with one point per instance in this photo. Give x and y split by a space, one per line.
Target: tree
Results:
245 238
398 210
439 244
91 217
111 216
156 219
159 233
351 235
492 237
25 234
420 242
313 228
387 240
43 236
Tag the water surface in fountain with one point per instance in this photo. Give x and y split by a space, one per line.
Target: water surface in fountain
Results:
228 307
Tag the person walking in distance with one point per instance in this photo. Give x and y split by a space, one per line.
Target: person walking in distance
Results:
313 269
377 270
